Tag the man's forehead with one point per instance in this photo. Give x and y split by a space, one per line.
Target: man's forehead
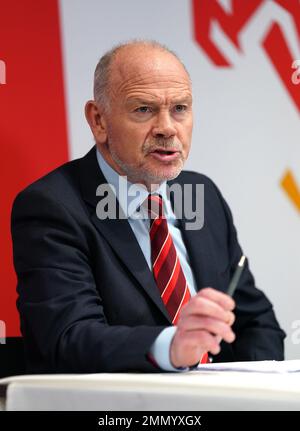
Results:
145 64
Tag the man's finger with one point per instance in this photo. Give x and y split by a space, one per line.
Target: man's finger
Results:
213 326
202 306
224 300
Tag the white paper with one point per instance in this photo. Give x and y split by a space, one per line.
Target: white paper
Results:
290 366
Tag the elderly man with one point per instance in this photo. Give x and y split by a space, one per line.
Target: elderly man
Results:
132 292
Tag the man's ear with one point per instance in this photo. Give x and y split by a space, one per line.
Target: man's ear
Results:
95 118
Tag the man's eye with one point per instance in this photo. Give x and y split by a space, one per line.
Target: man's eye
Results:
143 109
180 108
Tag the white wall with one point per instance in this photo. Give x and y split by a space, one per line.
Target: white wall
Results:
246 126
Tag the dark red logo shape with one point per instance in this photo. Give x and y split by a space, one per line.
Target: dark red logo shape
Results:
275 44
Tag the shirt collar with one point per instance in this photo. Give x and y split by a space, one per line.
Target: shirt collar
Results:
130 195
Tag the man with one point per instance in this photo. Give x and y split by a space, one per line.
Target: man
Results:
132 293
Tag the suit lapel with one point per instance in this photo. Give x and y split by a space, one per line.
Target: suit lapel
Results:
117 232
198 242
198 247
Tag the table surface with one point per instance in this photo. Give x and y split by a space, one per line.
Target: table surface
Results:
194 390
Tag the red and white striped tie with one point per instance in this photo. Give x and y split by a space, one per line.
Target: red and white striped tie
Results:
167 270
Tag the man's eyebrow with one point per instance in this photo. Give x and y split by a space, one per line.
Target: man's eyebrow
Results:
181 100
142 101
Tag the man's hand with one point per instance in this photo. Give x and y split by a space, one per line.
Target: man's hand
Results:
203 323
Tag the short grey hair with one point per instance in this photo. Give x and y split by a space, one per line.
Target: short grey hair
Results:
103 69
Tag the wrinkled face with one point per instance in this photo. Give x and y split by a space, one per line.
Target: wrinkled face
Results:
149 121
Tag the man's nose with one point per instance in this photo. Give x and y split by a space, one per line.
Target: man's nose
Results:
163 126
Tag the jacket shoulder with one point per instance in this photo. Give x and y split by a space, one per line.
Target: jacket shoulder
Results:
63 174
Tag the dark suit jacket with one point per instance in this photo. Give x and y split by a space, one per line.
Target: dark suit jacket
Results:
87 299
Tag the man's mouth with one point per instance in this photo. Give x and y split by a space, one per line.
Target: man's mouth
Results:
165 155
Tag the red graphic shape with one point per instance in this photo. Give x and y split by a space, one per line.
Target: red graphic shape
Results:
207 11
275 43
33 131
278 50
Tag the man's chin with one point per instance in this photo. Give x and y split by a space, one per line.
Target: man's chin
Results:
158 177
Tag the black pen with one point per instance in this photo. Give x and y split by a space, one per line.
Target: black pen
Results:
233 284
236 276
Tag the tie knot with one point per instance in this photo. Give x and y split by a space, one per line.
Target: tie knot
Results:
155 206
